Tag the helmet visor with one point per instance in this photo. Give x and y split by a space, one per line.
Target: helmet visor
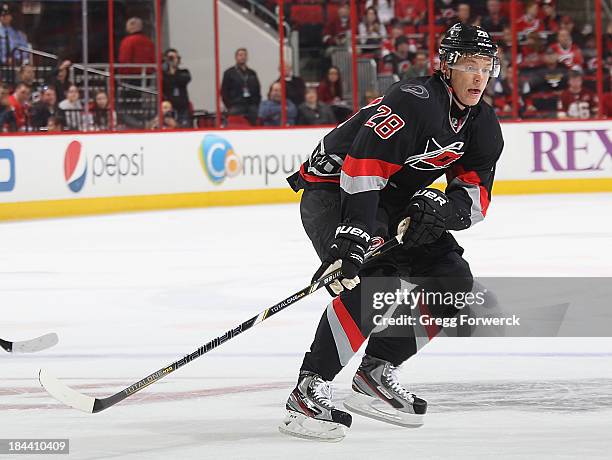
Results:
486 66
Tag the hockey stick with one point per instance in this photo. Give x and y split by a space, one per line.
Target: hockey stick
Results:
30 346
85 403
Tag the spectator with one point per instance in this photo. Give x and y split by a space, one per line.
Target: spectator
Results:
385 9
270 110
567 23
529 22
55 124
101 112
577 101
330 88
295 88
72 109
313 112
169 115
337 30
240 88
45 108
371 31
411 12
59 79
11 38
568 53
550 20
26 75
20 102
397 31
447 12
399 62
8 123
464 13
175 81
135 48
494 22
532 52
420 68
549 78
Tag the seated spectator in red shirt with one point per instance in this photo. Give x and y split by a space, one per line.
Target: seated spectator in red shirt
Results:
568 53
550 18
532 52
410 11
493 21
330 88
529 22
136 48
577 101
20 103
336 31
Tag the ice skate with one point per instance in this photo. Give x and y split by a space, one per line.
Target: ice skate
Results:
378 394
311 414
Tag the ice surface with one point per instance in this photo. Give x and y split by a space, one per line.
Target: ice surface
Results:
130 293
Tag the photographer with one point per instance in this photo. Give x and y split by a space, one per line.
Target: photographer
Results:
175 81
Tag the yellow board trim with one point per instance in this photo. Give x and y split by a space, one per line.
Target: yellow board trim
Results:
106 205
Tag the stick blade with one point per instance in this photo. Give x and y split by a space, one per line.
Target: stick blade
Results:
65 394
38 344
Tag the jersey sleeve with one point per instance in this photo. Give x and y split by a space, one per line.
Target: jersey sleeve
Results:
378 151
470 183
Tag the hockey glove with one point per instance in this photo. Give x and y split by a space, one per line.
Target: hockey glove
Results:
347 251
426 217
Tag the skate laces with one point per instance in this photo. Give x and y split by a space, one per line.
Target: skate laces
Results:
394 383
322 392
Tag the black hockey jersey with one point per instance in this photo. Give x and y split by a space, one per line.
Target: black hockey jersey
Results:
403 142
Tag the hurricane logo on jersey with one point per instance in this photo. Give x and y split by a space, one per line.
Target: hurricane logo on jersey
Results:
436 156
219 159
417 90
75 167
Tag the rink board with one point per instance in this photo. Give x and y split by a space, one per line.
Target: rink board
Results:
76 174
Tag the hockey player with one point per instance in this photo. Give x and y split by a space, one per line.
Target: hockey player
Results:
368 178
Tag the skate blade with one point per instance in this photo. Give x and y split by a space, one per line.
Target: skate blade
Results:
300 426
381 411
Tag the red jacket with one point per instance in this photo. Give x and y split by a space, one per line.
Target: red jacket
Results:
20 111
136 49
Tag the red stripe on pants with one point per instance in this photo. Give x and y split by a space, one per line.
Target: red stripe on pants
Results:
350 328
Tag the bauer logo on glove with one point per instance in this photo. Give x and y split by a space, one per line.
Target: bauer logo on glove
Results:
426 216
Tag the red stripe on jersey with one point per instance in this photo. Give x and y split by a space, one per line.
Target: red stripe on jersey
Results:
471 177
351 330
369 167
312 178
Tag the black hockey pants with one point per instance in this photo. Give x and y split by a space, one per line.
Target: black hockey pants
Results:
347 322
